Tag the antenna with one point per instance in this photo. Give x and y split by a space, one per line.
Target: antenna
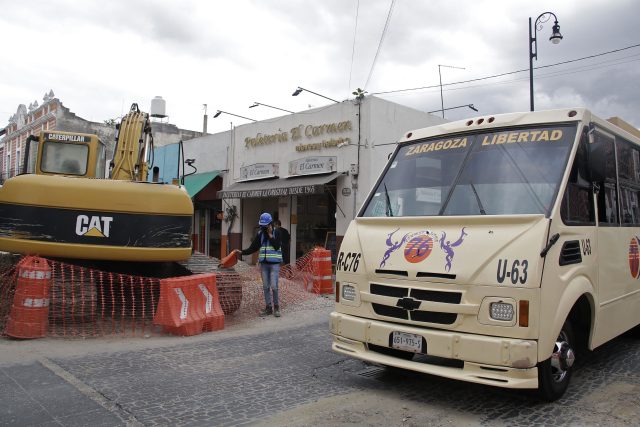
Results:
440 74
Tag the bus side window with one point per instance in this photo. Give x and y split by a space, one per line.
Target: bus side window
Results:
603 169
629 180
577 203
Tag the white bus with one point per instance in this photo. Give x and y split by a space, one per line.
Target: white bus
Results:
495 250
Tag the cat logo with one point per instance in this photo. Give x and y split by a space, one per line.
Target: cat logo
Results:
95 226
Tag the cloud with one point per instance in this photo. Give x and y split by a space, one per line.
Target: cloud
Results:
102 56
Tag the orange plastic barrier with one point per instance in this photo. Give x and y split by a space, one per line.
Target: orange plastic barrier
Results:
189 305
322 271
29 317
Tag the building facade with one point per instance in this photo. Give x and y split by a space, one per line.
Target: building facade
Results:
49 115
311 170
53 115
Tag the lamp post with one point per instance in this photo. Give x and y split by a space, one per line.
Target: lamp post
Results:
256 103
453 108
231 114
300 89
441 97
533 42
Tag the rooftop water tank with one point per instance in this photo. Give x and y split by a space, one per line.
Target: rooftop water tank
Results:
158 107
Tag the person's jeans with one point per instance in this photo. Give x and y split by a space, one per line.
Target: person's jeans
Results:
270 273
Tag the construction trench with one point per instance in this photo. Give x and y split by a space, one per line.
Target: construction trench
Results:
46 297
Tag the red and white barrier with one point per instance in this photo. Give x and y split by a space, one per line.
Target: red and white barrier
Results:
29 317
189 305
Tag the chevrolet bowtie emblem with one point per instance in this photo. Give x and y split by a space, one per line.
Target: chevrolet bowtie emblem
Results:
408 303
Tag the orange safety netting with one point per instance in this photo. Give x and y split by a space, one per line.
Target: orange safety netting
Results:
86 302
8 278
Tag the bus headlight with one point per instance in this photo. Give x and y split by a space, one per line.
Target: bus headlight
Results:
348 292
501 311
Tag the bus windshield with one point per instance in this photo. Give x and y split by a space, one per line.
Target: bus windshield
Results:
503 172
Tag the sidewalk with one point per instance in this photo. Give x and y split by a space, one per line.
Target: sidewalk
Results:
13 351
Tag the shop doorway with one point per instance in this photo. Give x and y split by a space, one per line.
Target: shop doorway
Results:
252 208
316 218
208 227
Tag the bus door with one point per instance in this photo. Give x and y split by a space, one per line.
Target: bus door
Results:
579 249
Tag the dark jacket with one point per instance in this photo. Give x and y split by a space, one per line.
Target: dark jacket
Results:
257 243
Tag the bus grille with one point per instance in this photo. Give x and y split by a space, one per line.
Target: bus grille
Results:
417 294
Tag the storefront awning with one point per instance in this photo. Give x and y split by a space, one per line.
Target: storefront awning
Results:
278 187
195 183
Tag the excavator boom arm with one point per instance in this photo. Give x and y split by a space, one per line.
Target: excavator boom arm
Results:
133 142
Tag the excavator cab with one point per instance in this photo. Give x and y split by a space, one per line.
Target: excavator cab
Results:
64 206
65 153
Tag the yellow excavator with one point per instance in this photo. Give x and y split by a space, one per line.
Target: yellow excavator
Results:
63 204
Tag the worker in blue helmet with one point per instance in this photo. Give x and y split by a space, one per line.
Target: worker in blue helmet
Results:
268 245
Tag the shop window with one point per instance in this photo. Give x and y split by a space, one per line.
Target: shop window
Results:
316 218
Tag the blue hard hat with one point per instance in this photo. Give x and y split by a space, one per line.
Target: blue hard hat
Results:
265 219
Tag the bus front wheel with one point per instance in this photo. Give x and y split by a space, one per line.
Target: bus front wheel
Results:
555 372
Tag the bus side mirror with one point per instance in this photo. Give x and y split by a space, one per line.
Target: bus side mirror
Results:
591 136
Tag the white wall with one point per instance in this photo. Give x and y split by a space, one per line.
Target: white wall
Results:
284 150
210 151
388 123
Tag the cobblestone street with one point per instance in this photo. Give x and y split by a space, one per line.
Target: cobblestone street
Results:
284 373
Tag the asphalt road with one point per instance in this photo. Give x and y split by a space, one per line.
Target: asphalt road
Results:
282 372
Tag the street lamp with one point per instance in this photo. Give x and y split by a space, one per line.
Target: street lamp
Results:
453 108
300 89
231 114
256 103
533 41
440 74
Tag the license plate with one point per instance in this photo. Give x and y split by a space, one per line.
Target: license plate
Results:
406 342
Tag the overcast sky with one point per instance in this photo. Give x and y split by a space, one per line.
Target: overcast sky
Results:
100 56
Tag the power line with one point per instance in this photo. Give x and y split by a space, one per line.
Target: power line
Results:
353 49
384 32
549 75
589 57
508 73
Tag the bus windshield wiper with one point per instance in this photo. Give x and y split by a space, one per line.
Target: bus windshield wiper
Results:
525 179
386 195
473 187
